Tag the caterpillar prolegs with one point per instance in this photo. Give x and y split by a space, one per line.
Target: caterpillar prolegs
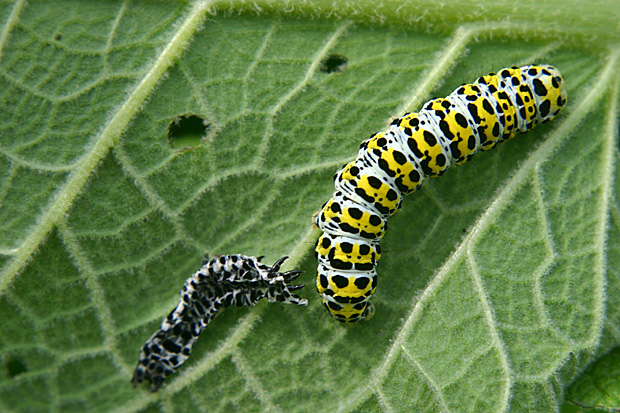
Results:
419 145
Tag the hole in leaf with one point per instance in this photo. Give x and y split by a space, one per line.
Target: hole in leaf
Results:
334 63
58 37
187 131
15 367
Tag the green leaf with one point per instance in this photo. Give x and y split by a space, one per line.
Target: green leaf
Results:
598 387
498 285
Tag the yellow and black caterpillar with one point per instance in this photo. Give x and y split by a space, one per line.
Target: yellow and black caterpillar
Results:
395 162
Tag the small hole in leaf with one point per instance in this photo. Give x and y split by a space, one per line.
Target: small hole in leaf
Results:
58 37
334 63
15 367
187 131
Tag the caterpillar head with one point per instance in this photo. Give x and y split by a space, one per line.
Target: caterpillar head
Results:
346 295
350 313
343 299
346 276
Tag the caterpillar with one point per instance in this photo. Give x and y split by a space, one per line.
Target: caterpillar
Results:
416 146
228 280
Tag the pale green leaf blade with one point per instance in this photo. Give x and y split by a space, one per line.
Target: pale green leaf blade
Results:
496 288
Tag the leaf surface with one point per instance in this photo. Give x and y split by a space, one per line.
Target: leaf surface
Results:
498 284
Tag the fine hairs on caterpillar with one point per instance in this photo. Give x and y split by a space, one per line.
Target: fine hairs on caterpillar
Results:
393 163
227 280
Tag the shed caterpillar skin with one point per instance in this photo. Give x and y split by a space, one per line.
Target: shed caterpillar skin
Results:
228 280
419 145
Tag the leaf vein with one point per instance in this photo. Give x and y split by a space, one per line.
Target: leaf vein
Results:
491 321
253 384
10 23
314 65
97 298
432 383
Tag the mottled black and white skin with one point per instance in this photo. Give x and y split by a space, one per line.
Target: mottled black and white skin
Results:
228 280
